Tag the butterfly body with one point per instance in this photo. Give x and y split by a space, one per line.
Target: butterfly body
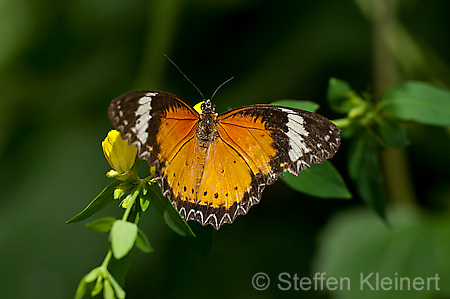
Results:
207 126
213 166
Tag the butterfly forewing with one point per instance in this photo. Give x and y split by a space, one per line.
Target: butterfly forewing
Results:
298 137
146 118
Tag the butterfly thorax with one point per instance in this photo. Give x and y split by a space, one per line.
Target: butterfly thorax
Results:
207 128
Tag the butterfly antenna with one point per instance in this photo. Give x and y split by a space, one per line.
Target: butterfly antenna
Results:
221 86
185 76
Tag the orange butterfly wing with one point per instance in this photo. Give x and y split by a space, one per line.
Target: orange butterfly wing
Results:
251 147
163 129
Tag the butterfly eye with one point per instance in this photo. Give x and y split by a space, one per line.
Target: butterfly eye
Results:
207 107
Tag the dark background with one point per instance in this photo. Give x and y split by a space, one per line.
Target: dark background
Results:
61 64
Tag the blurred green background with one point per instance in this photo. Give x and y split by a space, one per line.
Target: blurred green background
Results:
62 62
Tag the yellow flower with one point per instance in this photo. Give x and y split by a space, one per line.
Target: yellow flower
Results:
120 156
198 107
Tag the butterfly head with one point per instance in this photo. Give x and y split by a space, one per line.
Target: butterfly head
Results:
205 107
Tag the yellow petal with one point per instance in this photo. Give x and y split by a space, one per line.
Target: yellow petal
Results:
198 107
112 173
118 152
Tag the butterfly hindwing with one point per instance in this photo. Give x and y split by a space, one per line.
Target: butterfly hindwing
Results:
224 187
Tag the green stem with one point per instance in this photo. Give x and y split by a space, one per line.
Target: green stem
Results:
383 15
106 260
108 256
385 24
131 203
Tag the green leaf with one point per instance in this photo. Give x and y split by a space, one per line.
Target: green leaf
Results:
94 274
123 236
119 268
416 101
364 169
101 225
120 293
108 292
104 198
142 242
135 216
91 276
341 96
144 203
347 125
392 132
81 290
355 243
98 286
321 180
170 215
298 104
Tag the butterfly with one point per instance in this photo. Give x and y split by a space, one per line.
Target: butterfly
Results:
212 166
